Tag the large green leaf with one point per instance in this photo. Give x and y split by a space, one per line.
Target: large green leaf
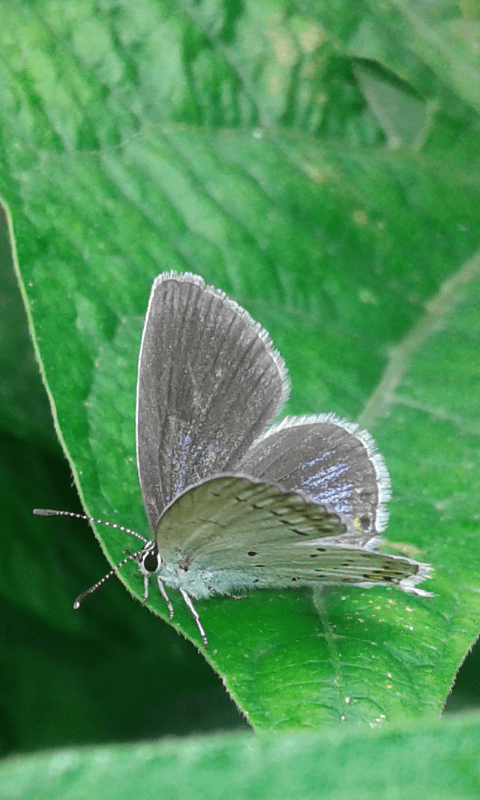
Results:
138 139
438 761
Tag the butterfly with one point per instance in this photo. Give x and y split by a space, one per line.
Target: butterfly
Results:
234 501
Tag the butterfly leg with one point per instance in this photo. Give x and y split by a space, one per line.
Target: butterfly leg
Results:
194 613
165 596
145 589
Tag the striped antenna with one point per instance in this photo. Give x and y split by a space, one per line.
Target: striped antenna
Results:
81 597
48 512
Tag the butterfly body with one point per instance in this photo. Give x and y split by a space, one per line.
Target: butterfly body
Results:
334 565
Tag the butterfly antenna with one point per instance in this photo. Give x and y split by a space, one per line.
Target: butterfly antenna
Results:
48 512
81 597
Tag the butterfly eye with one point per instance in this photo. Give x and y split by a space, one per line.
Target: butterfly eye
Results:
151 561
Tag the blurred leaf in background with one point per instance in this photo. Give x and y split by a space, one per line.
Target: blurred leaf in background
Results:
431 761
320 164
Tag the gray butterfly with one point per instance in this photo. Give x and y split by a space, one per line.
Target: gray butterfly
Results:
234 504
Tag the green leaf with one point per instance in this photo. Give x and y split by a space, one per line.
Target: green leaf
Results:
138 141
24 410
438 761
404 118
435 46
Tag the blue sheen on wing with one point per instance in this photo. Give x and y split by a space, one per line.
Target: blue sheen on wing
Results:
324 485
184 457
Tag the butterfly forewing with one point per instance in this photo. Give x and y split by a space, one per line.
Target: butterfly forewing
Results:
209 381
331 461
230 513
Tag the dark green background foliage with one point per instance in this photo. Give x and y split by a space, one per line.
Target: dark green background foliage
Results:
320 163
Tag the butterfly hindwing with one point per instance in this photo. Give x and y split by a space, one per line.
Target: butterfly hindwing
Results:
209 381
332 462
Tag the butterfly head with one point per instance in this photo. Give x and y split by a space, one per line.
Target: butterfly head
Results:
149 559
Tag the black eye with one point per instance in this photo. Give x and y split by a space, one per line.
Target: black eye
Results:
150 562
